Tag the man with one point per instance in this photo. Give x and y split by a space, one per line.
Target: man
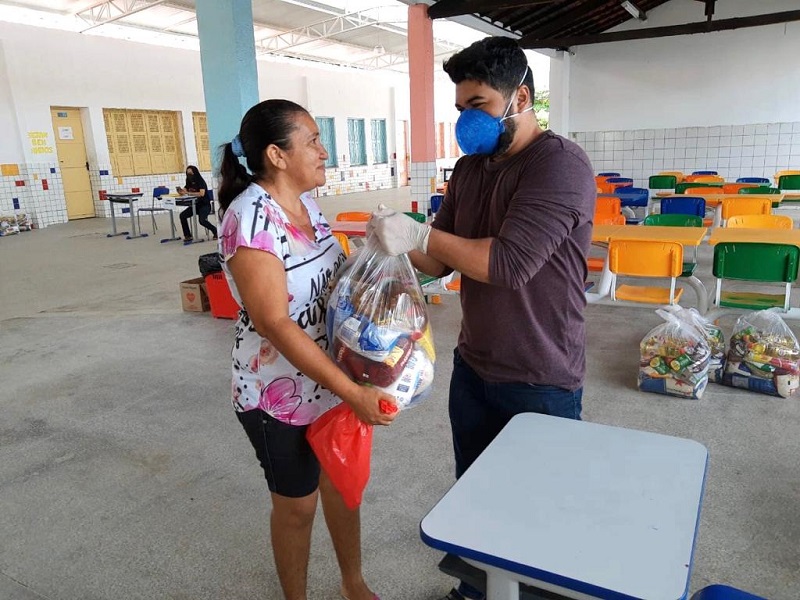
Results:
516 222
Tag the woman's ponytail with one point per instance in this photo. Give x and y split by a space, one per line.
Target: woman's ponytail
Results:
234 178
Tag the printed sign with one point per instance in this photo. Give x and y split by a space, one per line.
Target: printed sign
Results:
65 133
39 140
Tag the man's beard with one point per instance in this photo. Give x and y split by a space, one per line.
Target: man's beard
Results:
506 138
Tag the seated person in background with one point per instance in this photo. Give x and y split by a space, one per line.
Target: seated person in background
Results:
196 186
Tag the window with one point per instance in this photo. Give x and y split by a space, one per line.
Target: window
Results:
201 141
327 137
355 138
440 141
379 141
143 142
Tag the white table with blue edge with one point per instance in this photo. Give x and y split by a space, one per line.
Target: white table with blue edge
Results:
578 509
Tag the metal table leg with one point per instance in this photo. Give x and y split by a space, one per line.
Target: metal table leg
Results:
172 229
114 231
134 234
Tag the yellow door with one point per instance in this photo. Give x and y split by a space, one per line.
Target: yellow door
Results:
72 161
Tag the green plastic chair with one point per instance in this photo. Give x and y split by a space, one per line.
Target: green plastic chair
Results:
760 190
662 182
757 263
676 220
789 182
418 217
684 185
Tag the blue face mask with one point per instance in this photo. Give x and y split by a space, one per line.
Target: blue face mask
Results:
478 132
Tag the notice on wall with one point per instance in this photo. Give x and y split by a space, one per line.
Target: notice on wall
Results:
40 142
65 133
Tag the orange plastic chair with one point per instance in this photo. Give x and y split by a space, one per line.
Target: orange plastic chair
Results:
607 206
344 241
604 187
743 205
645 258
700 191
609 219
761 222
733 188
705 178
353 216
678 175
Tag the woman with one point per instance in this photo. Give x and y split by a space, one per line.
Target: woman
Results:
196 186
280 258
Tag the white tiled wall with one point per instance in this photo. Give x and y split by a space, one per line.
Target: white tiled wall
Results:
345 178
757 150
48 207
423 184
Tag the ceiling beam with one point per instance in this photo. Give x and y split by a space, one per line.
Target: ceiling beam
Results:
113 10
657 32
453 8
571 17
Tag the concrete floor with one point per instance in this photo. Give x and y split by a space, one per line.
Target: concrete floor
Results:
124 473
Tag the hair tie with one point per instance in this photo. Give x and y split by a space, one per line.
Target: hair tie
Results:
236 146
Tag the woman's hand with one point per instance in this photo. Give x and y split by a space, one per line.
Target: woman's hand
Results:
372 406
181 190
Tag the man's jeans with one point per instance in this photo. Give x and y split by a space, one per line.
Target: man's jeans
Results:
480 409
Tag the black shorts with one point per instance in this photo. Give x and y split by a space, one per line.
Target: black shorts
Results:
289 463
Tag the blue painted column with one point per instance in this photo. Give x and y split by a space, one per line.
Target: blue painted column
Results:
228 57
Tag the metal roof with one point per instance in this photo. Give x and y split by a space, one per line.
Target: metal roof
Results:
357 33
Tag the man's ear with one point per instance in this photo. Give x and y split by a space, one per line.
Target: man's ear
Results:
524 98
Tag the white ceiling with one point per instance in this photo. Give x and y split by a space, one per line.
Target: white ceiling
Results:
367 34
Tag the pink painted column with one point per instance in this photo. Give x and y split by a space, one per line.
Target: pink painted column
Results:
423 122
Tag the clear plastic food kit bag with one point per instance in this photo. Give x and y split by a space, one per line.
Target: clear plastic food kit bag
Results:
764 355
378 325
674 359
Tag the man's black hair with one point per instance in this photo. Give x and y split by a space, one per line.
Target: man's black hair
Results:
496 61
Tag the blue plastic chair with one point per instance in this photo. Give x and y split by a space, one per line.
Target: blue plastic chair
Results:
608 174
633 196
704 173
684 205
152 209
753 180
624 180
436 202
723 592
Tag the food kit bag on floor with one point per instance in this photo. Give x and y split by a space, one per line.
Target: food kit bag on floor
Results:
378 326
343 445
764 355
674 359
714 337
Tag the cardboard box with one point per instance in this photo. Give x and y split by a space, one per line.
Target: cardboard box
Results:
194 296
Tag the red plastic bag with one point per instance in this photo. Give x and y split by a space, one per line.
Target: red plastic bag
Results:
343 445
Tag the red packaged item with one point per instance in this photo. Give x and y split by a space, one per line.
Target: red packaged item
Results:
379 373
343 445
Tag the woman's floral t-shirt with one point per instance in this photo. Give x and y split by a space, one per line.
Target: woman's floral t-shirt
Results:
263 378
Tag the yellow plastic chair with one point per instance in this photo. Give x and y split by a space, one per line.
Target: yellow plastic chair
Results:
705 179
678 175
645 258
780 174
344 241
353 216
743 205
761 222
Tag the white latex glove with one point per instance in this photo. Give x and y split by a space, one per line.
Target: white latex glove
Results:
398 233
